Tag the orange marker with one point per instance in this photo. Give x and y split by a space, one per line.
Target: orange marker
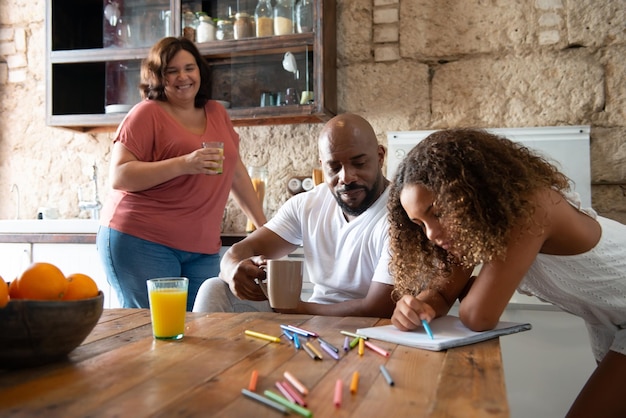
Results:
253 379
354 385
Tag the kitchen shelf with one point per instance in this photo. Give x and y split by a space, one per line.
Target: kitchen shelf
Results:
241 70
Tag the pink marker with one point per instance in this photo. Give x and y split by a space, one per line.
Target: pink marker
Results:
337 397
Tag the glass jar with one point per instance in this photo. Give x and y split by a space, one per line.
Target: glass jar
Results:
304 16
224 30
264 18
190 24
243 26
283 17
258 175
206 28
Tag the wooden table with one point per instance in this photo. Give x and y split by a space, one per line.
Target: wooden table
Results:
120 370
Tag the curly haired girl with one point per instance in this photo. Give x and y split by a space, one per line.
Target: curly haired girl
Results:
464 198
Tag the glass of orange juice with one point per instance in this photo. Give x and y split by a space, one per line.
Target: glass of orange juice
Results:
168 306
220 147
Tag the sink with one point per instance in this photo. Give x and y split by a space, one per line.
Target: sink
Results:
49 226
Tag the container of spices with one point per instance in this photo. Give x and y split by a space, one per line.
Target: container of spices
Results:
224 30
304 16
264 18
206 28
243 26
190 24
258 175
283 17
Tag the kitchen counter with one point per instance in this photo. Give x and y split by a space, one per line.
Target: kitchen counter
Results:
67 231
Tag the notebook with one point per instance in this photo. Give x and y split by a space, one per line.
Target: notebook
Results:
448 332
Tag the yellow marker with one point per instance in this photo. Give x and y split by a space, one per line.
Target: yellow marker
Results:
314 350
262 336
361 346
354 385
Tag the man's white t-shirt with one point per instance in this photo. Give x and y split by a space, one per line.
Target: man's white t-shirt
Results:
342 258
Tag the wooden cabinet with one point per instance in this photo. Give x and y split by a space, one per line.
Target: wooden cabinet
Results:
89 62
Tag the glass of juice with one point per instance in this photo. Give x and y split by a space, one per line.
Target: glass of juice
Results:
168 306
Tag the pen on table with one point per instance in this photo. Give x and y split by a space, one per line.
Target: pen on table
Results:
296 383
354 384
294 393
314 350
284 391
428 330
361 346
330 351
346 344
262 336
307 348
353 335
337 394
376 348
386 374
291 405
329 345
265 401
354 342
254 377
300 331
287 334
296 341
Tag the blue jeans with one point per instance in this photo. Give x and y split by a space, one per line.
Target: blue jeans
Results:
129 261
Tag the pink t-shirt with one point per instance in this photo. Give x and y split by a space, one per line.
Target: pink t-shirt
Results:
183 213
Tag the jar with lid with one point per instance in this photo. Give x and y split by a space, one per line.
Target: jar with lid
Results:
283 17
264 18
243 26
258 175
304 16
206 28
190 24
224 29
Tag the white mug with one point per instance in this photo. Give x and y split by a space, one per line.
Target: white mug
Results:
283 283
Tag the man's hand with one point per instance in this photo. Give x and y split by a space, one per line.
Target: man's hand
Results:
243 283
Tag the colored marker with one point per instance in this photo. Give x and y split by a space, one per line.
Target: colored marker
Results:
361 346
284 391
386 374
288 335
354 384
428 330
337 394
294 394
296 383
294 407
353 335
262 336
296 341
376 348
265 401
300 331
329 345
310 352
346 344
254 377
354 342
330 351
313 349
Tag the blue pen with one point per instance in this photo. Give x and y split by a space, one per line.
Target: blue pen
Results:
428 330
296 341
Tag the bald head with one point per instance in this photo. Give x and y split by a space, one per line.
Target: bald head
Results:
352 162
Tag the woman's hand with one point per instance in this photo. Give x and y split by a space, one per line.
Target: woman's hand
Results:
409 313
204 161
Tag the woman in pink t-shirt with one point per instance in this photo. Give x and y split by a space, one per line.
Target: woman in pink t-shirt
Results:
163 216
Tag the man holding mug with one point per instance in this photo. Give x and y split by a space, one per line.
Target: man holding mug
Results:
341 225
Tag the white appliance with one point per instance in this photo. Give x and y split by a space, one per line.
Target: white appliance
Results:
567 146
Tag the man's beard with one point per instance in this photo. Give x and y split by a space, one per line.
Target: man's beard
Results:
370 197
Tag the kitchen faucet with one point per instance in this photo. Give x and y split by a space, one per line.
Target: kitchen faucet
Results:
93 205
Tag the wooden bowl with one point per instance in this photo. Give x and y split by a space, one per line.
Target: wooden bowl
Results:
35 332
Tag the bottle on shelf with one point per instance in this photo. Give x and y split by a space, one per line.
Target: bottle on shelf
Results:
243 26
206 28
224 29
190 24
264 18
258 175
283 17
304 16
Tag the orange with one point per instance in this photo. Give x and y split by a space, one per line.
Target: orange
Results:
80 286
4 293
13 292
42 281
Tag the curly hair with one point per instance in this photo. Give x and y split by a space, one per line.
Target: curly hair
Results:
482 184
153 69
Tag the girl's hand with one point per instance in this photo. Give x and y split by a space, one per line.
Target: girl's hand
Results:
409 313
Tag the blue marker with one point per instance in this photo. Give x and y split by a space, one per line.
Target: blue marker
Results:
428 330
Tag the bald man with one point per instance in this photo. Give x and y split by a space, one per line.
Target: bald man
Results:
341 225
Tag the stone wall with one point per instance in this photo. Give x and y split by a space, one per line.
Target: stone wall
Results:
403 64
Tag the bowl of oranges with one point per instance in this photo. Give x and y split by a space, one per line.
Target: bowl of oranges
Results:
44 315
